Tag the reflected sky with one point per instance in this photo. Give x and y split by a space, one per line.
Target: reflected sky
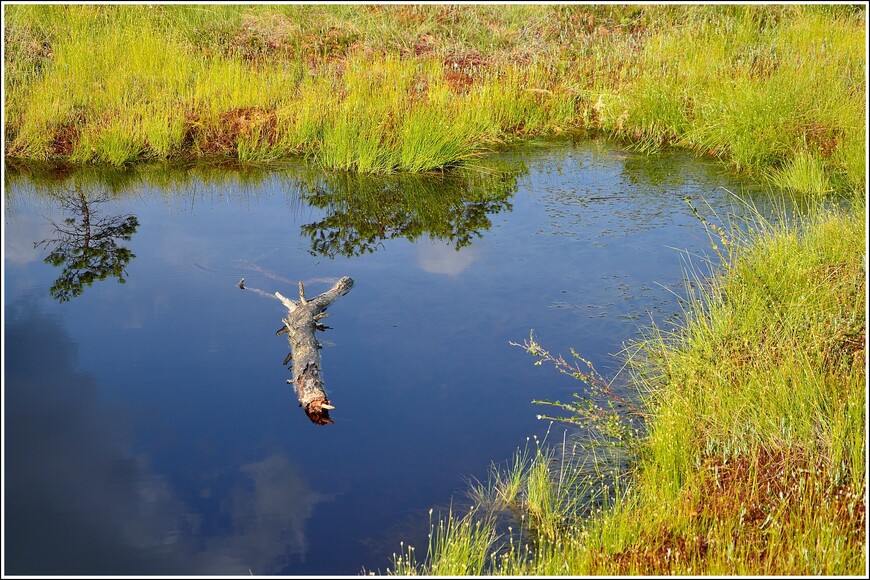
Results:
82 501
149 427
440 258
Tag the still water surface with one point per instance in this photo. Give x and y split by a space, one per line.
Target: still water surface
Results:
148 425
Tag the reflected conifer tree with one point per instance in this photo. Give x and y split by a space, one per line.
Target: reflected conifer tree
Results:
364 210
86 244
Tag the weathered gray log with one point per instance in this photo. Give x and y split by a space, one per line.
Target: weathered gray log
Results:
302 321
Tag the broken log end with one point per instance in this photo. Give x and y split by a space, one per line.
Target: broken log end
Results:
289 304
318 412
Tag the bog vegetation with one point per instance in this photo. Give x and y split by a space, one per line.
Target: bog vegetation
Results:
777 90
747 451
753 456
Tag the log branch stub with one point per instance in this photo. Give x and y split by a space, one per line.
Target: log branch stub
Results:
289 304
301 324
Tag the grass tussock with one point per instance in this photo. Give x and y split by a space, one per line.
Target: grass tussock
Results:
414 88
753 459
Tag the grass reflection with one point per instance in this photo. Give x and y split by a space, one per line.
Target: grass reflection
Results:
359 212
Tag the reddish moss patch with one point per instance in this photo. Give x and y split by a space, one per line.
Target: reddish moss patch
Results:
459 81
463 69
424 45
772 486
254 48
467 61
664 552
327 45
823 139
221 136
240 122
64 139
733 485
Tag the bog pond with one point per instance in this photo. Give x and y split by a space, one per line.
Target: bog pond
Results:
149 426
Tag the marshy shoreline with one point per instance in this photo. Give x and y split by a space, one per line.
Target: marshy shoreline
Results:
414 88
753 456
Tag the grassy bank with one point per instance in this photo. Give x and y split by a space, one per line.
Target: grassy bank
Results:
754 455
414 88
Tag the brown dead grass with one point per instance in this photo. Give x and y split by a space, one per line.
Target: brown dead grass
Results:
221 136
463 69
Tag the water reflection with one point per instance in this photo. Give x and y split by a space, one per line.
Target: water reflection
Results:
158 439
360 212
442 258
86 244
363 211
80 501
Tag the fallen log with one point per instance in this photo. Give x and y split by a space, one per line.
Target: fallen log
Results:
303 319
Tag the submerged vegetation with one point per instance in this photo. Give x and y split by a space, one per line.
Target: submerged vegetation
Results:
416 87
752 454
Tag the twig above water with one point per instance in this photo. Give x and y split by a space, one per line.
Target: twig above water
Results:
256 290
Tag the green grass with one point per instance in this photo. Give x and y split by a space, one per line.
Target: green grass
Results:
786 326
754 455
413 88
459 546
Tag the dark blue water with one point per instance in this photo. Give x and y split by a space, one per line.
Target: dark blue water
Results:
148 425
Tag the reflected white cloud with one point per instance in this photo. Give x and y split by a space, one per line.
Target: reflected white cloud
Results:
19 237
439 257
271 519
79 501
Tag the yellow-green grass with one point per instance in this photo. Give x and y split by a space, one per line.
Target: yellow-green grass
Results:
774 90
754 457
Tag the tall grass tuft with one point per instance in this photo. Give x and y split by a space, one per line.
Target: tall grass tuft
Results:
804 173
458 546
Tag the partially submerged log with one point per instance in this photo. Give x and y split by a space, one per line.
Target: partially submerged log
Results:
303 319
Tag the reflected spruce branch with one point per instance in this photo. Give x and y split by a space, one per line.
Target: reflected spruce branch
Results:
86 244
363 211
